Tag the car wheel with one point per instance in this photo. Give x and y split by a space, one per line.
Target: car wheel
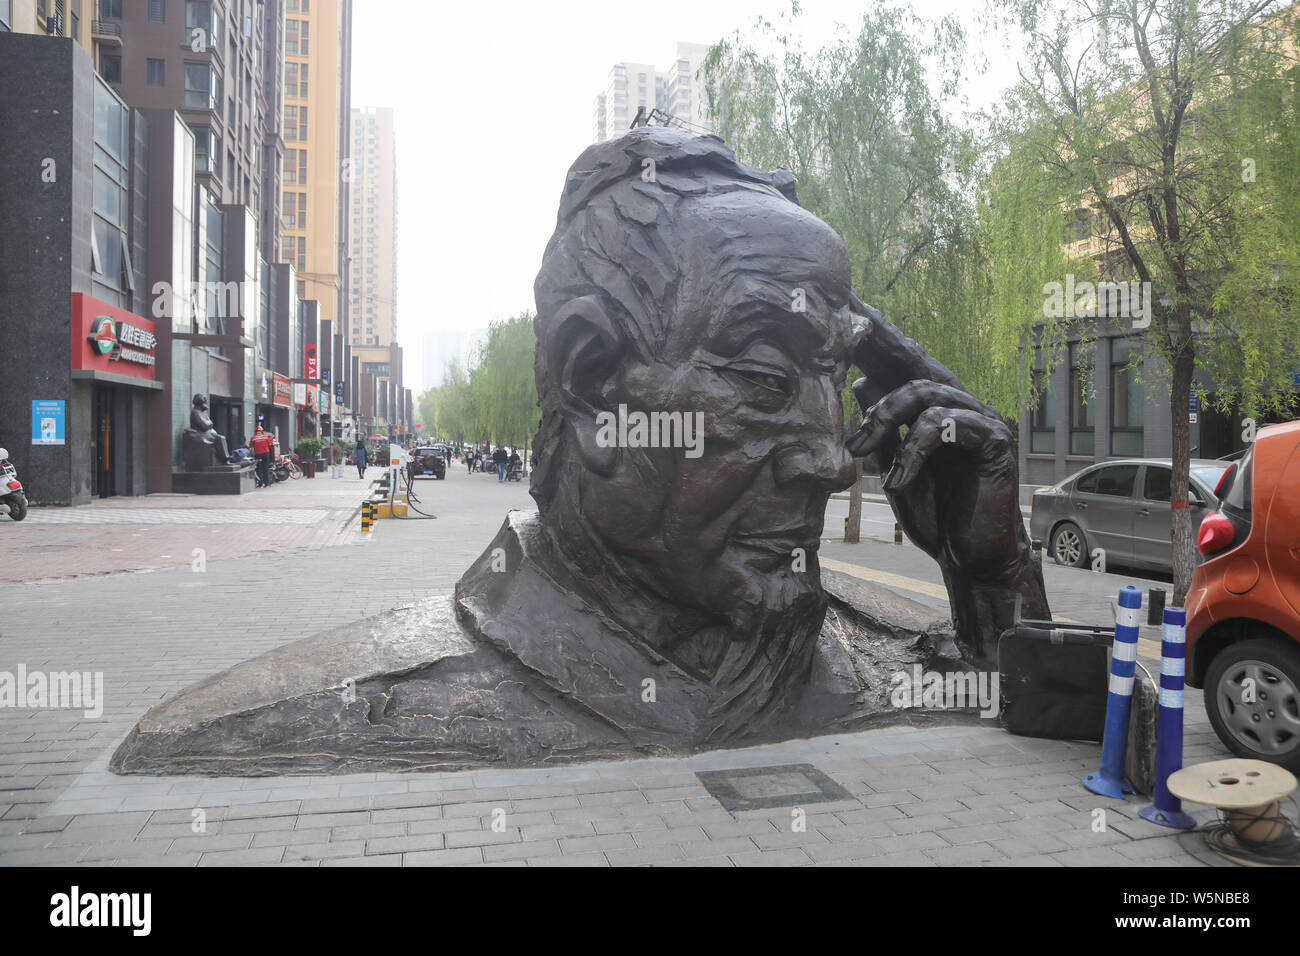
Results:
1069 547
1252 697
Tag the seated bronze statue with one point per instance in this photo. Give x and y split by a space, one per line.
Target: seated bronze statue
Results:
203 448
659 601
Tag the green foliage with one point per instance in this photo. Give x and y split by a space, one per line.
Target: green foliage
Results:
496 399
862 125
1173 124
310 448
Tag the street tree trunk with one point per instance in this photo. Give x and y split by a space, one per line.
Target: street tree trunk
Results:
1184 552
853 527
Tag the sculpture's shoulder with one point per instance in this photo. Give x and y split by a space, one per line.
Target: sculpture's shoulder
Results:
875 604
869 634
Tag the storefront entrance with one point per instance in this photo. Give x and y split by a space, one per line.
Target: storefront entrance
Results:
105 456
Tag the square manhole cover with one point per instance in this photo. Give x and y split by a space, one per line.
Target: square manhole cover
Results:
757 788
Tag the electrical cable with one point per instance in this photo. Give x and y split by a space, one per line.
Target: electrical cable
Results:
1227 837
405 474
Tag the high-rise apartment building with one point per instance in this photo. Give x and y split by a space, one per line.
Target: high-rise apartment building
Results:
372 280
674 90
317 98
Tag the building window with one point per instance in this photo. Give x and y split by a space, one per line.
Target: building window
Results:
110 9
291 37
207 151
1083 394
302 124
291 79
111 278
110 67
1127 401
6 15
1042 439
290 167
302 79
157 11
304 44
202 87
217 305
155 72
202 28
302 210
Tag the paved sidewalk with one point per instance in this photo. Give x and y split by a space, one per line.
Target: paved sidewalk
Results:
155 531
949 794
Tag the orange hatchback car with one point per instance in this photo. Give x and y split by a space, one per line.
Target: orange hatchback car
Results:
1243 608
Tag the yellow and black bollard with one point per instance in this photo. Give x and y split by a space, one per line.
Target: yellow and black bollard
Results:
366 517
898 533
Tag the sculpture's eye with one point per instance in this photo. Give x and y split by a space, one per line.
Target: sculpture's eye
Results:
765 378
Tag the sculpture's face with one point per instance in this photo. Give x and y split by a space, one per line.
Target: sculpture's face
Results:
759 345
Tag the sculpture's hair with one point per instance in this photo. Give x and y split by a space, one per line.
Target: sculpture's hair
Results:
614 241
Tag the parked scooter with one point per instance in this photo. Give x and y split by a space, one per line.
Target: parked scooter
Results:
12 500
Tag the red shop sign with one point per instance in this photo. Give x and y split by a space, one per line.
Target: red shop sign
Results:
108 339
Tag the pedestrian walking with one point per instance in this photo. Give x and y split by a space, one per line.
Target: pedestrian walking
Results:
262 446
500 458
360 459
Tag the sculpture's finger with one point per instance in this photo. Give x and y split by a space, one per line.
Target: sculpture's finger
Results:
902 406
938 427
887 356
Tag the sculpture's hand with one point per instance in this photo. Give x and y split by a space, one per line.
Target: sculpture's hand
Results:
953 482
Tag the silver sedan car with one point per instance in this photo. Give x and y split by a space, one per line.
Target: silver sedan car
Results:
1123 508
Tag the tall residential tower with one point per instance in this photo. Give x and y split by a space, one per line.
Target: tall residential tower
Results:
372 312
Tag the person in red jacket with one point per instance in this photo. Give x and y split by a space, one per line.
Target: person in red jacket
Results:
262 445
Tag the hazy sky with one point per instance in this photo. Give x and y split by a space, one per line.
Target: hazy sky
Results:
493 102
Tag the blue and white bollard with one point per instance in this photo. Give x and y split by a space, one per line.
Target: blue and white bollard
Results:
1166 809
1110 780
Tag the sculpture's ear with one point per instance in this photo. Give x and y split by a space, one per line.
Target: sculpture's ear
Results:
583 347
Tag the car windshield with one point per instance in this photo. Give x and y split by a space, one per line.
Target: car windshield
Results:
1209 475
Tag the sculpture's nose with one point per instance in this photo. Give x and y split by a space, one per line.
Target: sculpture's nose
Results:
823 461
817 453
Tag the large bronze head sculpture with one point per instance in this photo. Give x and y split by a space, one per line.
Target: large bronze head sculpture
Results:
694 329
681 283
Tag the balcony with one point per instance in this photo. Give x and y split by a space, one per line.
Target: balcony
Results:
108 32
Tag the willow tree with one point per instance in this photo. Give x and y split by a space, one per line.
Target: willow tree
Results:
861 125
1175 122
503 390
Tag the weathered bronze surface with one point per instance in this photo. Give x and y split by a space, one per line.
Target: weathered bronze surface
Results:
662 599
203 448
